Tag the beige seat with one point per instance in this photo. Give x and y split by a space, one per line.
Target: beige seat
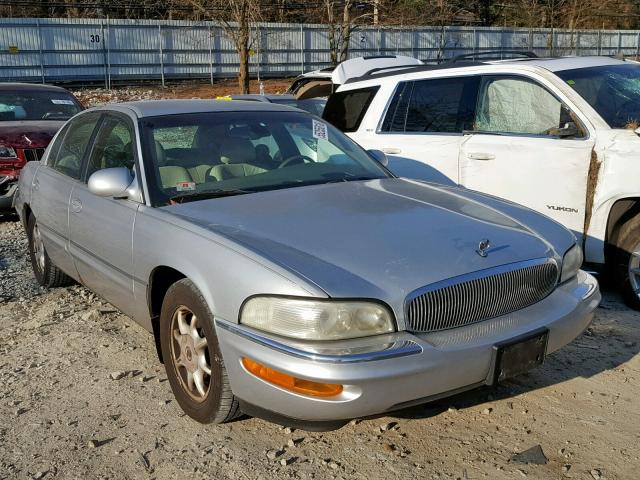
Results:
199 172
237 156
170 175
224 172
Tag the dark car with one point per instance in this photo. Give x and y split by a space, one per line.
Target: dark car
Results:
312 105
30 115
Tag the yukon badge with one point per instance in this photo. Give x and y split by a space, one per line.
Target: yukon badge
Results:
483 246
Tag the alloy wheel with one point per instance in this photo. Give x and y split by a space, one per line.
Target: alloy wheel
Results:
190 354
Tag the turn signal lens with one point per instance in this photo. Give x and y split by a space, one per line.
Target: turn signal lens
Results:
298 385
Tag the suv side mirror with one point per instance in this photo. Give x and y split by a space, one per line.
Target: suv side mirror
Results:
379 156
570 129
111 182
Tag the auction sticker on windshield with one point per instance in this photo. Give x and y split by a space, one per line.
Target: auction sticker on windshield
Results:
61 101
185 186
320 130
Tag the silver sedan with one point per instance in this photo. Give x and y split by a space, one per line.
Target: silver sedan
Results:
285 273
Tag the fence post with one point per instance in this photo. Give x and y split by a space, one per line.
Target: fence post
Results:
211 54
161 54
638 46
108 53
599 42
301 48
619 42
576 48
104 55
475 40
40 49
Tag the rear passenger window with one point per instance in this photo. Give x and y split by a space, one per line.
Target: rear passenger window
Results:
68 158
345 110
444 105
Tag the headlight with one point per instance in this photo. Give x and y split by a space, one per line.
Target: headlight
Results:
7 152
571 263
316 320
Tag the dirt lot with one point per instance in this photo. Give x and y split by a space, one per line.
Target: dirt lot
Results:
64 416
187 90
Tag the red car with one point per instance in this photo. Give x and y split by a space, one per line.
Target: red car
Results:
30 115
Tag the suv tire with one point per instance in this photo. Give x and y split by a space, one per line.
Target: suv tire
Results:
626 267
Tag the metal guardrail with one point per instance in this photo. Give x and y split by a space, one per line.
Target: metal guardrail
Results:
109 50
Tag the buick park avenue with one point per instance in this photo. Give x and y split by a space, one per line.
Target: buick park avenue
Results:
285 273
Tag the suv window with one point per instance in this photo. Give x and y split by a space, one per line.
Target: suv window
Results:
68 156
113 147
345 110
520 106
443 105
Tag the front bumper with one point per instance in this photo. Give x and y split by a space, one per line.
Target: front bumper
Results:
388 372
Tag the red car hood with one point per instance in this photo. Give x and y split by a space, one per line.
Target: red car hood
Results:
28 134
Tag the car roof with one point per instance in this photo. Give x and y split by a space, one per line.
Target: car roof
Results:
154 108
23 87
553 64
557 64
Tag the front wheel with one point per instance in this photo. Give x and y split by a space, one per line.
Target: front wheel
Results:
192 357
46 273
627 262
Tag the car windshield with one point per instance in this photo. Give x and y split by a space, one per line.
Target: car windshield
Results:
313 105
612 90
203 155
26 105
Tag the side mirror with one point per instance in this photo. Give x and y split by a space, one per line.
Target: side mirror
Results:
379 156
570 129
111 182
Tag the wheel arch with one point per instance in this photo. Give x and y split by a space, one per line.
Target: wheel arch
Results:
160 280
26 214
620 212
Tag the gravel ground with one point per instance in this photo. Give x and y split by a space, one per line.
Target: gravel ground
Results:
82 395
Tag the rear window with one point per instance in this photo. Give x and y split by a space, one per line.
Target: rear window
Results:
444 105
345 110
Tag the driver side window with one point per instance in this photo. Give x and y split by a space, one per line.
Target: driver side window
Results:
114 147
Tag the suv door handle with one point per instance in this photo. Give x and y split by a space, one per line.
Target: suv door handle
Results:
391 150
76 205
36 183
481 156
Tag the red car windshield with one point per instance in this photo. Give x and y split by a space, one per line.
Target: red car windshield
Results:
26 105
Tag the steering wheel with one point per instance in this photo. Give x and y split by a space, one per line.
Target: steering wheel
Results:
49 115
296 159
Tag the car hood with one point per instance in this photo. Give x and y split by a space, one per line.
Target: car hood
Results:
377 239
28 134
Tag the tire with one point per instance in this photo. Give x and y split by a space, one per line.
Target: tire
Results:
626 267
46 273
185 323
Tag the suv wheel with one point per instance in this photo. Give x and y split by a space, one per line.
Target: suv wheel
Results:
192 357
627 262
46 273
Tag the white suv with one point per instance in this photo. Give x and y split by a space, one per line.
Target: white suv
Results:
557 135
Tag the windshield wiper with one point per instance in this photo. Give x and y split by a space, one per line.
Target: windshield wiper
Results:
190 197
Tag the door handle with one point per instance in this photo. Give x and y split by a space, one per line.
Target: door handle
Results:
36 184
391 150
76 205
481 156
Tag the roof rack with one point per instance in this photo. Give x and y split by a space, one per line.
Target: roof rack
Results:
400 69
492 55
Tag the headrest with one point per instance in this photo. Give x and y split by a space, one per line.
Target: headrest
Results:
160 155
237 150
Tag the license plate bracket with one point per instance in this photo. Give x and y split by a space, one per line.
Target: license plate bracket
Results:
519 355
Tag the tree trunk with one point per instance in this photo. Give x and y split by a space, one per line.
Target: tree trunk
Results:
243 52
345 31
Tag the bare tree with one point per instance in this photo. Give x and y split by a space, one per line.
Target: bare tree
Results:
237 17
341 23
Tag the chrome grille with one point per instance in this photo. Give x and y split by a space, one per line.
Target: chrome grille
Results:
480 296
31 154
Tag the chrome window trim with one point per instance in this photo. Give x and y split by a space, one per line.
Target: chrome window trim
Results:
400 348
478 274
